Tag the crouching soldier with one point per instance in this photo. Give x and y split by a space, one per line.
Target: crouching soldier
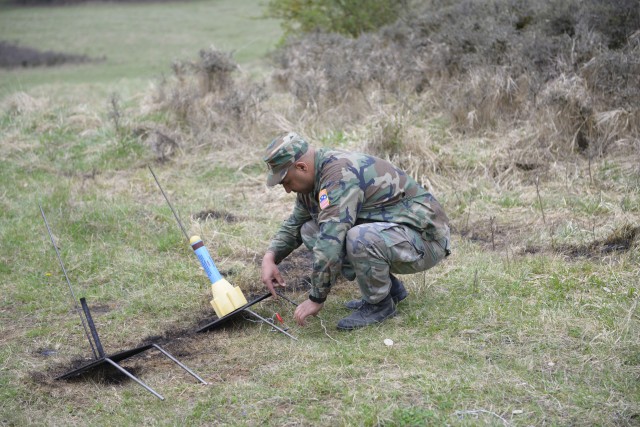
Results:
362 217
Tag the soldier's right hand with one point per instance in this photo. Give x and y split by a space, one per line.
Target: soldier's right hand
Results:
271 276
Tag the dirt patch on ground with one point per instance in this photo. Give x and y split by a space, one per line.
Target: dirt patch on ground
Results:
491 233
101 373
184 343
213 214
496 236
620 240
14 56
296 270
179 342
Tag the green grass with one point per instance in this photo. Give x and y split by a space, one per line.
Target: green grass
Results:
528 333
138 43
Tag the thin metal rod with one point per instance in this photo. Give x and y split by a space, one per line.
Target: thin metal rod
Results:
73 296
124 371
92 327
187 236
270 323
282 295
166 353
169 203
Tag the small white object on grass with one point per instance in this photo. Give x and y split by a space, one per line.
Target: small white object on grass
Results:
388 342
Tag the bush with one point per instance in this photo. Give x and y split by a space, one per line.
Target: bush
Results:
617 20
204 96
488 64
350 18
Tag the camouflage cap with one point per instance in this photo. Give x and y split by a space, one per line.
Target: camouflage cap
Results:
283 151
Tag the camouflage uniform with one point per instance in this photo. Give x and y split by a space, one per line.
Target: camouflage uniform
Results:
364 215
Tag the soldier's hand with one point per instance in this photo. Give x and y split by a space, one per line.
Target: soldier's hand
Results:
271 276
306 309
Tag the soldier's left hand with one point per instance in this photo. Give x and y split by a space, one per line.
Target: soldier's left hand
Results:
306 309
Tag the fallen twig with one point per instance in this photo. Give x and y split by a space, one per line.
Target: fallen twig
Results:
540 201
492 223
475 282
325 330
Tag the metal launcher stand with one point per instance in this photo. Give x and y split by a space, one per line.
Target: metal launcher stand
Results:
244 308
117 357
94 340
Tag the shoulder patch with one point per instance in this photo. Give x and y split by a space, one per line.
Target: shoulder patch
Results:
323 199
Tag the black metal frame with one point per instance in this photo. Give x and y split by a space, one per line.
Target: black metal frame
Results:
113 359
94 338
219 321
100 358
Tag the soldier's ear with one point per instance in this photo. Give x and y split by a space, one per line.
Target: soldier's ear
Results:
302 166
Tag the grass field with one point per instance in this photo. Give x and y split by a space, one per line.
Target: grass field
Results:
132 43
533 320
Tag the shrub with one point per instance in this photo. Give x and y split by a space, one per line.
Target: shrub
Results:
204 95
488 64
387 137
616 20
350 18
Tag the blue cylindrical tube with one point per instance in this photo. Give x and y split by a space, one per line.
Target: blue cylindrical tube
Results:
205 259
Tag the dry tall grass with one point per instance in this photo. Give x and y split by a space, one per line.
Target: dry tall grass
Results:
490 66
522 95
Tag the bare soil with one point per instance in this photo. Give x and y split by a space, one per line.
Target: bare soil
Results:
214 214
620 240
499 236
183 343
14 56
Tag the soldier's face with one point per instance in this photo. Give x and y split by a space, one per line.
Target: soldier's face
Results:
299 179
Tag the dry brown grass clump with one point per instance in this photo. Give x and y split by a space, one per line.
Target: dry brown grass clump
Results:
491 65
164 142
21 102
324 70
549 75
205 99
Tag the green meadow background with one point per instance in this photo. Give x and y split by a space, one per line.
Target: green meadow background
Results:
532 321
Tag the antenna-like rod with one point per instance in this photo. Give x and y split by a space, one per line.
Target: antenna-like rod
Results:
169 203
73 296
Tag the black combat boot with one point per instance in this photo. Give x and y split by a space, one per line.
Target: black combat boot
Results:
398 293
369 314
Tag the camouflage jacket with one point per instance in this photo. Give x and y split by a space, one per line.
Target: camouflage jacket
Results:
351 189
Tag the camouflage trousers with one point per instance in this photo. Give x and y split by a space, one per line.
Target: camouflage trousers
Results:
375 250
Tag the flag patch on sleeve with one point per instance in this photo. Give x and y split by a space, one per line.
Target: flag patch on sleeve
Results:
323 199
